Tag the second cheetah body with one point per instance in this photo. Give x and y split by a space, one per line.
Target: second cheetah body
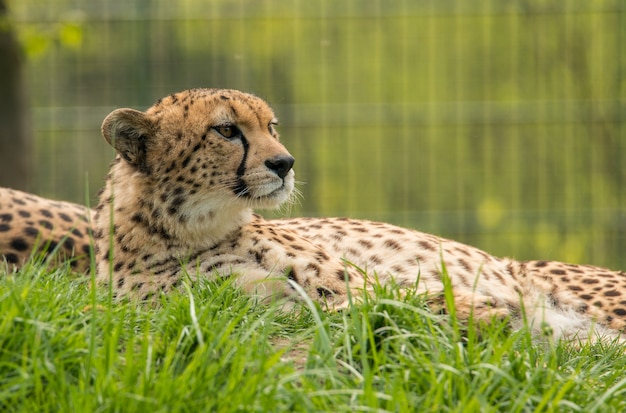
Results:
32 226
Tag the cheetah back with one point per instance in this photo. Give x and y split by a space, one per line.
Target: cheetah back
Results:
30 224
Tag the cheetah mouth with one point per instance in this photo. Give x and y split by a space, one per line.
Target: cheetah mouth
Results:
277 192
266 193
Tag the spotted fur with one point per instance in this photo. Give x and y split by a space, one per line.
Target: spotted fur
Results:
178 203
35 226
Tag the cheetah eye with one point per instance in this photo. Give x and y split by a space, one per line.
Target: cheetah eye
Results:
271 128
228 131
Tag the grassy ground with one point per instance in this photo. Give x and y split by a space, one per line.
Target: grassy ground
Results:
64 347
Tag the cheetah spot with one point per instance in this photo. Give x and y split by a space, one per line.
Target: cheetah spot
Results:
315 268
18 244
322 257
11 258
620 312
590 281
65 217
376 260
398 269
137 217
186 161
258 256
45 224
291 275
76 232
366 244
137 286
31 232
68 243
427 246
323 292
394 245
465 265
343 275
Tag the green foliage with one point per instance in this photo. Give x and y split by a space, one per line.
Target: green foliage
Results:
66 347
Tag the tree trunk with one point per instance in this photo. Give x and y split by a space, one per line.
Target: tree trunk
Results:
15 132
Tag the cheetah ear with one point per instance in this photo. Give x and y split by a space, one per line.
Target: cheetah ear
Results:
129 132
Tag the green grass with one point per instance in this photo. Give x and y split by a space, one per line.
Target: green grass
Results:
65 347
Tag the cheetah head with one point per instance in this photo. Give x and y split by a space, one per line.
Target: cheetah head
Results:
201 150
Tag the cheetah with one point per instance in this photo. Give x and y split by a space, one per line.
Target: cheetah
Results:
31 226
178 203
179 199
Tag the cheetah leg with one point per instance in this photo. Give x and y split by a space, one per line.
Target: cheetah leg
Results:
467 304
330 294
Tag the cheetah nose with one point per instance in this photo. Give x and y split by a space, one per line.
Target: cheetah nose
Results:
280 164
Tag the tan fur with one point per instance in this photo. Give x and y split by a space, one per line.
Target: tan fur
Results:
178 202
33 225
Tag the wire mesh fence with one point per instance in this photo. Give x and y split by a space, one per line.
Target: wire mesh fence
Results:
496 123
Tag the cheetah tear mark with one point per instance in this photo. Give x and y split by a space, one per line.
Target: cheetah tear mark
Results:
241 189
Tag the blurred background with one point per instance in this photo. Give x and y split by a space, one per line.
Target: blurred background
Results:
501 124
